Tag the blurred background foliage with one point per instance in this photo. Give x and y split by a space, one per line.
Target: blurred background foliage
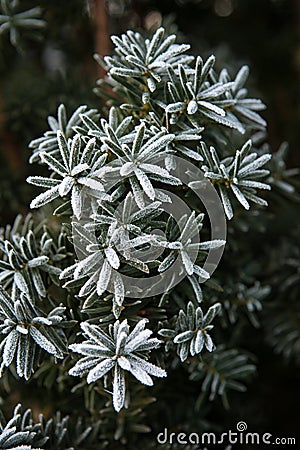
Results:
41 70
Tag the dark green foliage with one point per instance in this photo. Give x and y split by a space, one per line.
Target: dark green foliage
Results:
222 371
21 432
16 23
109 178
